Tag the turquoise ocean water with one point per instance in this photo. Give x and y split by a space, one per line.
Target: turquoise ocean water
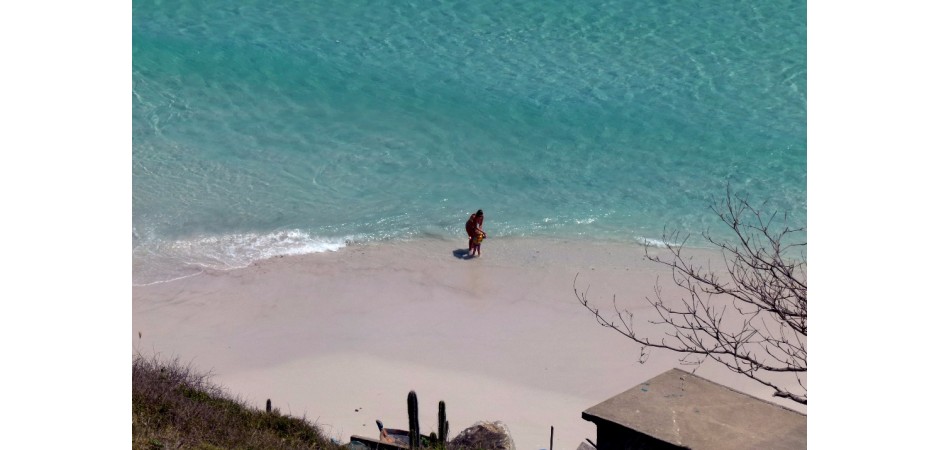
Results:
272 128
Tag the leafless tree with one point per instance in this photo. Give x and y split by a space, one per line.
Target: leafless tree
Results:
750 316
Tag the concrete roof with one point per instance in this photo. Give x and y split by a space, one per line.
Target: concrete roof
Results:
690 411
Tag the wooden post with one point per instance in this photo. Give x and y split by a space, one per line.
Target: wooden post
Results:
551 441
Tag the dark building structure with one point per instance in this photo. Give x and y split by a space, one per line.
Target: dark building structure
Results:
679 410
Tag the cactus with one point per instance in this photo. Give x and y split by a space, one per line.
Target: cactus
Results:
414 431
442 424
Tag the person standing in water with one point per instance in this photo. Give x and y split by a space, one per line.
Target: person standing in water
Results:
471 227
474 227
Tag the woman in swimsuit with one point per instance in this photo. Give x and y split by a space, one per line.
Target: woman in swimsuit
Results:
474 227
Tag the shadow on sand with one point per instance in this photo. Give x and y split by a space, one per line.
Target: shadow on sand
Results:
462 253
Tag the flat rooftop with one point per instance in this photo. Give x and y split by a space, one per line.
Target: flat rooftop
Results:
689 411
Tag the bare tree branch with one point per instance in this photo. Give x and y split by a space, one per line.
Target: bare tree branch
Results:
751 318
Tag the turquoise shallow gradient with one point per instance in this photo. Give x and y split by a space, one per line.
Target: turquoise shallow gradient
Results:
267 128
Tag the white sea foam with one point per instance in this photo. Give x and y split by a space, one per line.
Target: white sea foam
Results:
655 242
159 261
239 249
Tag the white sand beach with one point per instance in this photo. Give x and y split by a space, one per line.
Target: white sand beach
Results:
341 337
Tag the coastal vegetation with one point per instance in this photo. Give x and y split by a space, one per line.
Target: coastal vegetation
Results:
174 406
749 316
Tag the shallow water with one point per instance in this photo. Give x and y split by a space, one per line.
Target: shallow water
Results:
270 129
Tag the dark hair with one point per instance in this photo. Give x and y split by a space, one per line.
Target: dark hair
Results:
479 212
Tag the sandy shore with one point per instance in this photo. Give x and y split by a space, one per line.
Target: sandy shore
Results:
342 337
